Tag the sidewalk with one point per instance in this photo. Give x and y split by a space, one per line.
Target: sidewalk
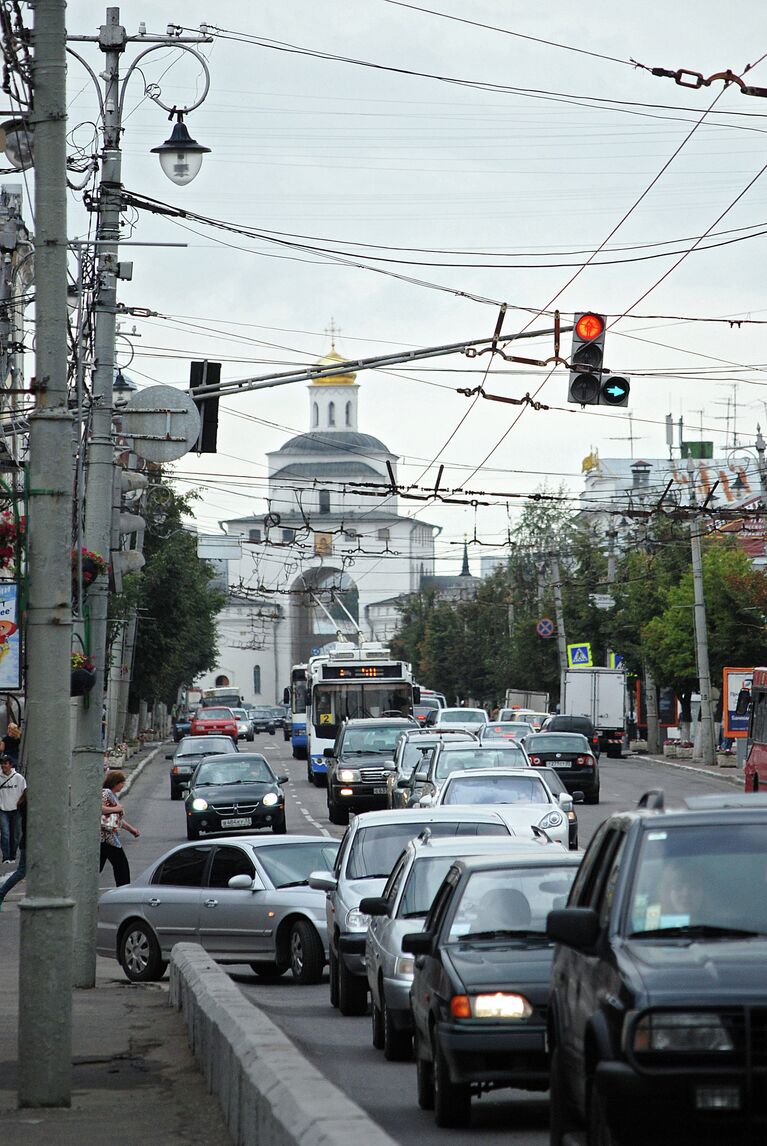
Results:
728 775
133 1079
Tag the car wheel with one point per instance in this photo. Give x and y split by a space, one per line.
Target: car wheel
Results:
376 1024
599 1132
337 815
592 797
352 991
139 954
561 1117
280 827
175 793
424 1075
333 978
307 957
398 1045
192 833
268 970
452 1100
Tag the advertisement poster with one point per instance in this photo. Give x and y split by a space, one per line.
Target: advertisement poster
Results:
734 680
10 638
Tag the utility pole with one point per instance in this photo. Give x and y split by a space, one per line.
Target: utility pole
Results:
612 561
560 615
45 997
708 745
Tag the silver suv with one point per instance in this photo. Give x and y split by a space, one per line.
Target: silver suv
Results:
423 787
368 852
413 752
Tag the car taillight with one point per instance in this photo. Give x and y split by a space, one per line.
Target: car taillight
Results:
580 760
535 760
174 770
586 761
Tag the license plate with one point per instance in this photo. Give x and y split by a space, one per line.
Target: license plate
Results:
380 791
242 822
561 763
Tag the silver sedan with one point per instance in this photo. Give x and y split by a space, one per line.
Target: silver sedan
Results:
245 900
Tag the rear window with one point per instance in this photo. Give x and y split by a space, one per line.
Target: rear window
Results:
559 742
510 756
216 714
375 850
202 745
572 724
467 716
496 790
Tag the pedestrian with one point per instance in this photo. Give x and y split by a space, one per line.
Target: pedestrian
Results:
21 868
12 784
112 820
13 742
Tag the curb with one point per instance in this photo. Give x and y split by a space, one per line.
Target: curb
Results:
142 764
735 780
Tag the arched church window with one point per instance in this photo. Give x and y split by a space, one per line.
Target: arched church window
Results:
331 413
324 501
315 414
348 413
257 679
222 681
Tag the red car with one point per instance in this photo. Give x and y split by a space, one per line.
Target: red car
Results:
219 720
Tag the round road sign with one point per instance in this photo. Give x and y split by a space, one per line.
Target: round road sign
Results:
162 422
545 627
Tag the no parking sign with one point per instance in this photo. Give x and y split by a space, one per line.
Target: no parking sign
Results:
545 628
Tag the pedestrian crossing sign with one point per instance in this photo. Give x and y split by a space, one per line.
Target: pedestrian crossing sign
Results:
616 661
579 656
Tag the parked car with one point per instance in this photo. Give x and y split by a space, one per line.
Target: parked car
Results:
570 754
519 794
506 730
245 900
658 1011
481 981
191 750
557 788
580 724
422 788
402 906
235 793
413 752
208 720
244 724
359 764
262 719
369 850
468 718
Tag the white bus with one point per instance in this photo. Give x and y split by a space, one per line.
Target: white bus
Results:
347 681
295 697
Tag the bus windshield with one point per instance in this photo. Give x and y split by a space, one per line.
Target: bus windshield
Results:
332 704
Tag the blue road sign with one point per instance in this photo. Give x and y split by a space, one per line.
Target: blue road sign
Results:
579 656
545 627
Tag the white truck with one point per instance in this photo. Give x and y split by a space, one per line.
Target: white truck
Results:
600 695
524 698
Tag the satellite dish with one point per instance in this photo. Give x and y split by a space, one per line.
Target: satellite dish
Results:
161 422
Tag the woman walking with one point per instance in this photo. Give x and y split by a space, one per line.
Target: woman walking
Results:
112 820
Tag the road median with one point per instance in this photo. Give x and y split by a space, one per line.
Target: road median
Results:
269 1093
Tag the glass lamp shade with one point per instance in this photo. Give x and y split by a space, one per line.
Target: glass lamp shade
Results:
16 140
180 156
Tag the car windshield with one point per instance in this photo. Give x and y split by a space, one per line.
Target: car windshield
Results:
247 770
462 716
510 756
203 745
378 740
508 728
710 877
215 714
289 864
557 742
375 850
417 753
496 790
508 900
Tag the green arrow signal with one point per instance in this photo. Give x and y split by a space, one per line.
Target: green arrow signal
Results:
615 391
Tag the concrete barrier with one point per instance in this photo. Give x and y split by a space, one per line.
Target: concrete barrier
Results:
269 1093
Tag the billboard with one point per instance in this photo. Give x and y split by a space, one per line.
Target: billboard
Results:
735 727
10 638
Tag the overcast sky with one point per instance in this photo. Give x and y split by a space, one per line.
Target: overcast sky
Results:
359 156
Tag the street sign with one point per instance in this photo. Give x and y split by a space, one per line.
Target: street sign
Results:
579 656
615 661
161 422
602 600
545 628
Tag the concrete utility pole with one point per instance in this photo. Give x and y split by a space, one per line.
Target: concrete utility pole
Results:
559 612
708 746
45 999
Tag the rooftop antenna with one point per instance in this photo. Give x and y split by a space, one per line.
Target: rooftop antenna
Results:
670 435
630 437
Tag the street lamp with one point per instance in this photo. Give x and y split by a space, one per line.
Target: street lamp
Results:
180 156
16 142
122 389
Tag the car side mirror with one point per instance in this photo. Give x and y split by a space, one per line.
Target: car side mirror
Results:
426 801
374 905
283 779
579 797
241 883
286 696
328 753
403 782
418 943
573 927
323 881
421 777
565 801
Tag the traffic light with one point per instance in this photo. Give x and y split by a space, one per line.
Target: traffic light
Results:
614 390
586 359
206 374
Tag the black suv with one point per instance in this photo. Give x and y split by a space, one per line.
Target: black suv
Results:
359 764
658 1012
580 724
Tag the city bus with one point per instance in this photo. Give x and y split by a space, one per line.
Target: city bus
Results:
347 681
295 698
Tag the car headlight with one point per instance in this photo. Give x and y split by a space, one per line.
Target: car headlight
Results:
356 920
348 775
552 820
270 799
501 1005
199 805
404 967
683 1031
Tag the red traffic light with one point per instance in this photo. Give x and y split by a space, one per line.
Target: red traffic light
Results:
589 326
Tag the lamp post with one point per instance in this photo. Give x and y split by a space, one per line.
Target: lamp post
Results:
184 163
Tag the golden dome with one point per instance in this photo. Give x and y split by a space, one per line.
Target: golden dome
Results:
334 379
590 462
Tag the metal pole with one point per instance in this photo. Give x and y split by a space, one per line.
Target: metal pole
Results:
708 747
560 615
45 999
88 770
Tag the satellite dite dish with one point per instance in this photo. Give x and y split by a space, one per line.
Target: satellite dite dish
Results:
162 423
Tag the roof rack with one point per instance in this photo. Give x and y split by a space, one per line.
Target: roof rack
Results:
654 800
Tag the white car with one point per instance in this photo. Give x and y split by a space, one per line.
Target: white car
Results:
244 727
521 796
470 719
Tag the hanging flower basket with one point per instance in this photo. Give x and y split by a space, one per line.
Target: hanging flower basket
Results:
10 533
92 564
83 674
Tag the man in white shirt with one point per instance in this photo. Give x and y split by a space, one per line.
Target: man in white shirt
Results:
12 784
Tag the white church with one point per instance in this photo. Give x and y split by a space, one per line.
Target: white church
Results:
329 559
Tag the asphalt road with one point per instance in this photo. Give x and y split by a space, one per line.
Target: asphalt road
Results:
341 1047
